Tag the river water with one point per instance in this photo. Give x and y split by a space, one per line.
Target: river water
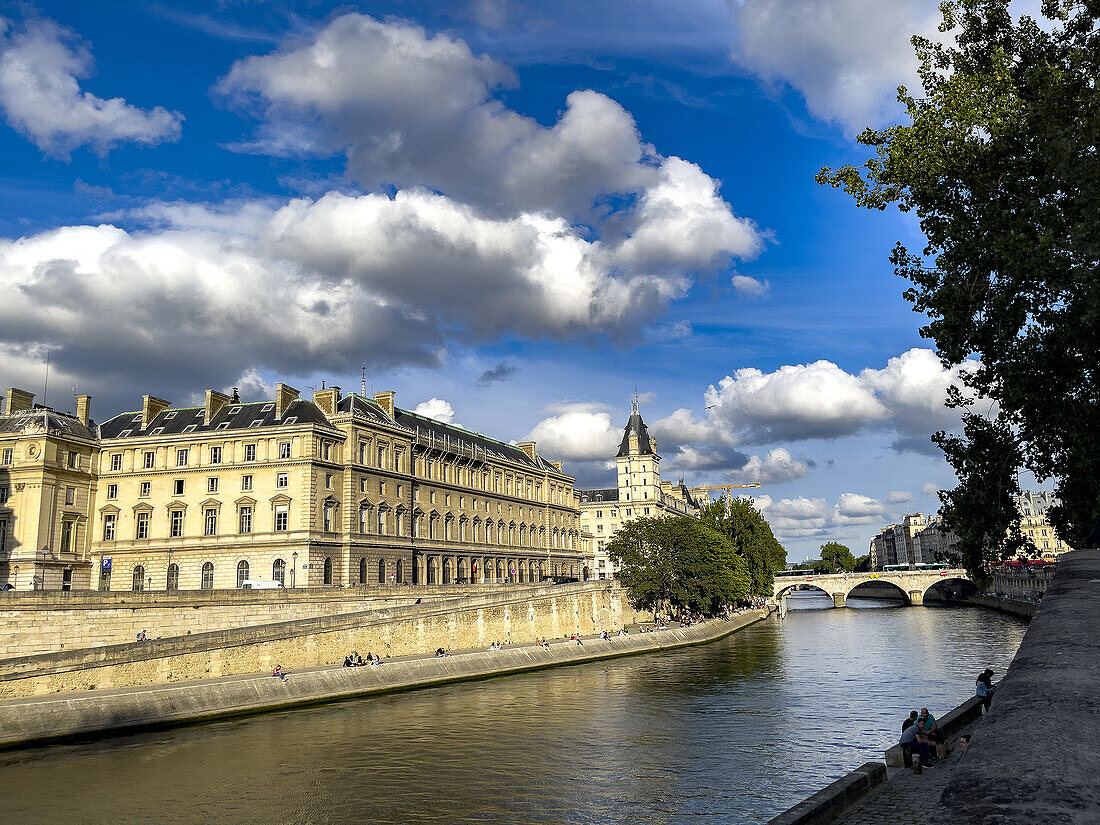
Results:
733 732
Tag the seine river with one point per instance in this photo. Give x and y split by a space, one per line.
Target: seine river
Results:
738 731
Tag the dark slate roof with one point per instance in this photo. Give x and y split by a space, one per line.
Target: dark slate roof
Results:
366 407
442 435
589 496
231 417
43 419
635 426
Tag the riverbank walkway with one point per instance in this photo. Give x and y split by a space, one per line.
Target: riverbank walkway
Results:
907 796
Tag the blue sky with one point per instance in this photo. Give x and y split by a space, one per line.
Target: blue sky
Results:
512 213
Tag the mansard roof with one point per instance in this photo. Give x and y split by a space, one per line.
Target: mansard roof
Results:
635 426
180 420
45 420
590 496
448 436
364 407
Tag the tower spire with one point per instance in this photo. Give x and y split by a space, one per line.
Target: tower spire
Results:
634 402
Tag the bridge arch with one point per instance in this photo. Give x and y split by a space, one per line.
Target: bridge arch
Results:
949 586
870 584
913 584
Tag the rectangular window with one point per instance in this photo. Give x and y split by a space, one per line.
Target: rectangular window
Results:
112 491
399 491
362 453
246 482
211 522
116 462
3 535
381 456
326 451
280 480
177 487
66 536
327 515
249 452
212 485
5 491
282 516
144 489
362 485
599 514
109 527
6 456
181 458
328 481
646 511
363 516
141 529
175 523
74 460
215 455
381 488
284 449
431 497
150 459
246 519
70 496
396 461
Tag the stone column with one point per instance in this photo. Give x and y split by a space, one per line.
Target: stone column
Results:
840 599
916 598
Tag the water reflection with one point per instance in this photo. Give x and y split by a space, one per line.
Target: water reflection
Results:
739 729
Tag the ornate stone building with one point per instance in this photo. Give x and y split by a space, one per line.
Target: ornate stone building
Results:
639 493
339 490
47 475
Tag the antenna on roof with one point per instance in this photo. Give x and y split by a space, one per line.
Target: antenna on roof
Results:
364 385
46 382
634 403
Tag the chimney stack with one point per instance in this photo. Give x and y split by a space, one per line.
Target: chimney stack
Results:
84 409
285 395
386 401
151 407
327 399
214 403
528 447
18 400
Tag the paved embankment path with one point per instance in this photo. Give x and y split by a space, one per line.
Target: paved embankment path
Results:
24 721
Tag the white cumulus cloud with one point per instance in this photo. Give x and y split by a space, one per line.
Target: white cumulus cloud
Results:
853 508
577 432
899 496
41 65
436 408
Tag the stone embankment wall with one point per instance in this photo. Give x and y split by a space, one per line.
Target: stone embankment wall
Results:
48 622
1035 758
512 615
1013 607
32 720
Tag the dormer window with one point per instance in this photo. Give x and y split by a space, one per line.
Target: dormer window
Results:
233 410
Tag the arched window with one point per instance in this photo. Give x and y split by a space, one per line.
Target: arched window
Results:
278 571
446 571
500 570
400 575
431 571
362 571
207 582
139 578
381 571
242 573
328 570
173 580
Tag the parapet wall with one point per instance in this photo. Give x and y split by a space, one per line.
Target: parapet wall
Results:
507 616
1034 758
50 622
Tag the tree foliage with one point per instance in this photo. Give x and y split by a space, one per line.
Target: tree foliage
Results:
677 563
751 536
999 162
838 557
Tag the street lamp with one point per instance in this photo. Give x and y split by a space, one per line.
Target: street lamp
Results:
293 568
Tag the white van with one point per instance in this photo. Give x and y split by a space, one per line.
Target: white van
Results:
260 584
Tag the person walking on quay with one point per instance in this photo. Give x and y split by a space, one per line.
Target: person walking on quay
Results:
983 688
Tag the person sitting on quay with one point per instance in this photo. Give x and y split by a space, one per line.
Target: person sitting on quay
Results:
494 646
622 631
348 662
912 741
441 652
910 720
983 688
604 635
278 671
929 727
964 743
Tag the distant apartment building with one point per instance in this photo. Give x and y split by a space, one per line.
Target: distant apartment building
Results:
897 544
639 493
337 490
1036 527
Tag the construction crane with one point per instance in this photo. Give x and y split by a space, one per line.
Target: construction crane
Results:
729 487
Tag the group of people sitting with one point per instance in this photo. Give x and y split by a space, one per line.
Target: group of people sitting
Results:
353 659
441 652
919 735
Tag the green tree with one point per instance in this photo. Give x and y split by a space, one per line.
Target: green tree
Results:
838 557
752 538
863 564
677 563
998 161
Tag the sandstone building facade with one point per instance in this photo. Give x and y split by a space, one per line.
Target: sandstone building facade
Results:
638 493
337 490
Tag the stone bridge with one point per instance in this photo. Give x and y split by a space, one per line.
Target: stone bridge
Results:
911 584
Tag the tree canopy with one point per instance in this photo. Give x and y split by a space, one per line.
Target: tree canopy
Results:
999 163
752 538
838 557
678 562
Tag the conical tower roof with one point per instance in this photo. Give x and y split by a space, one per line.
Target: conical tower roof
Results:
635 426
